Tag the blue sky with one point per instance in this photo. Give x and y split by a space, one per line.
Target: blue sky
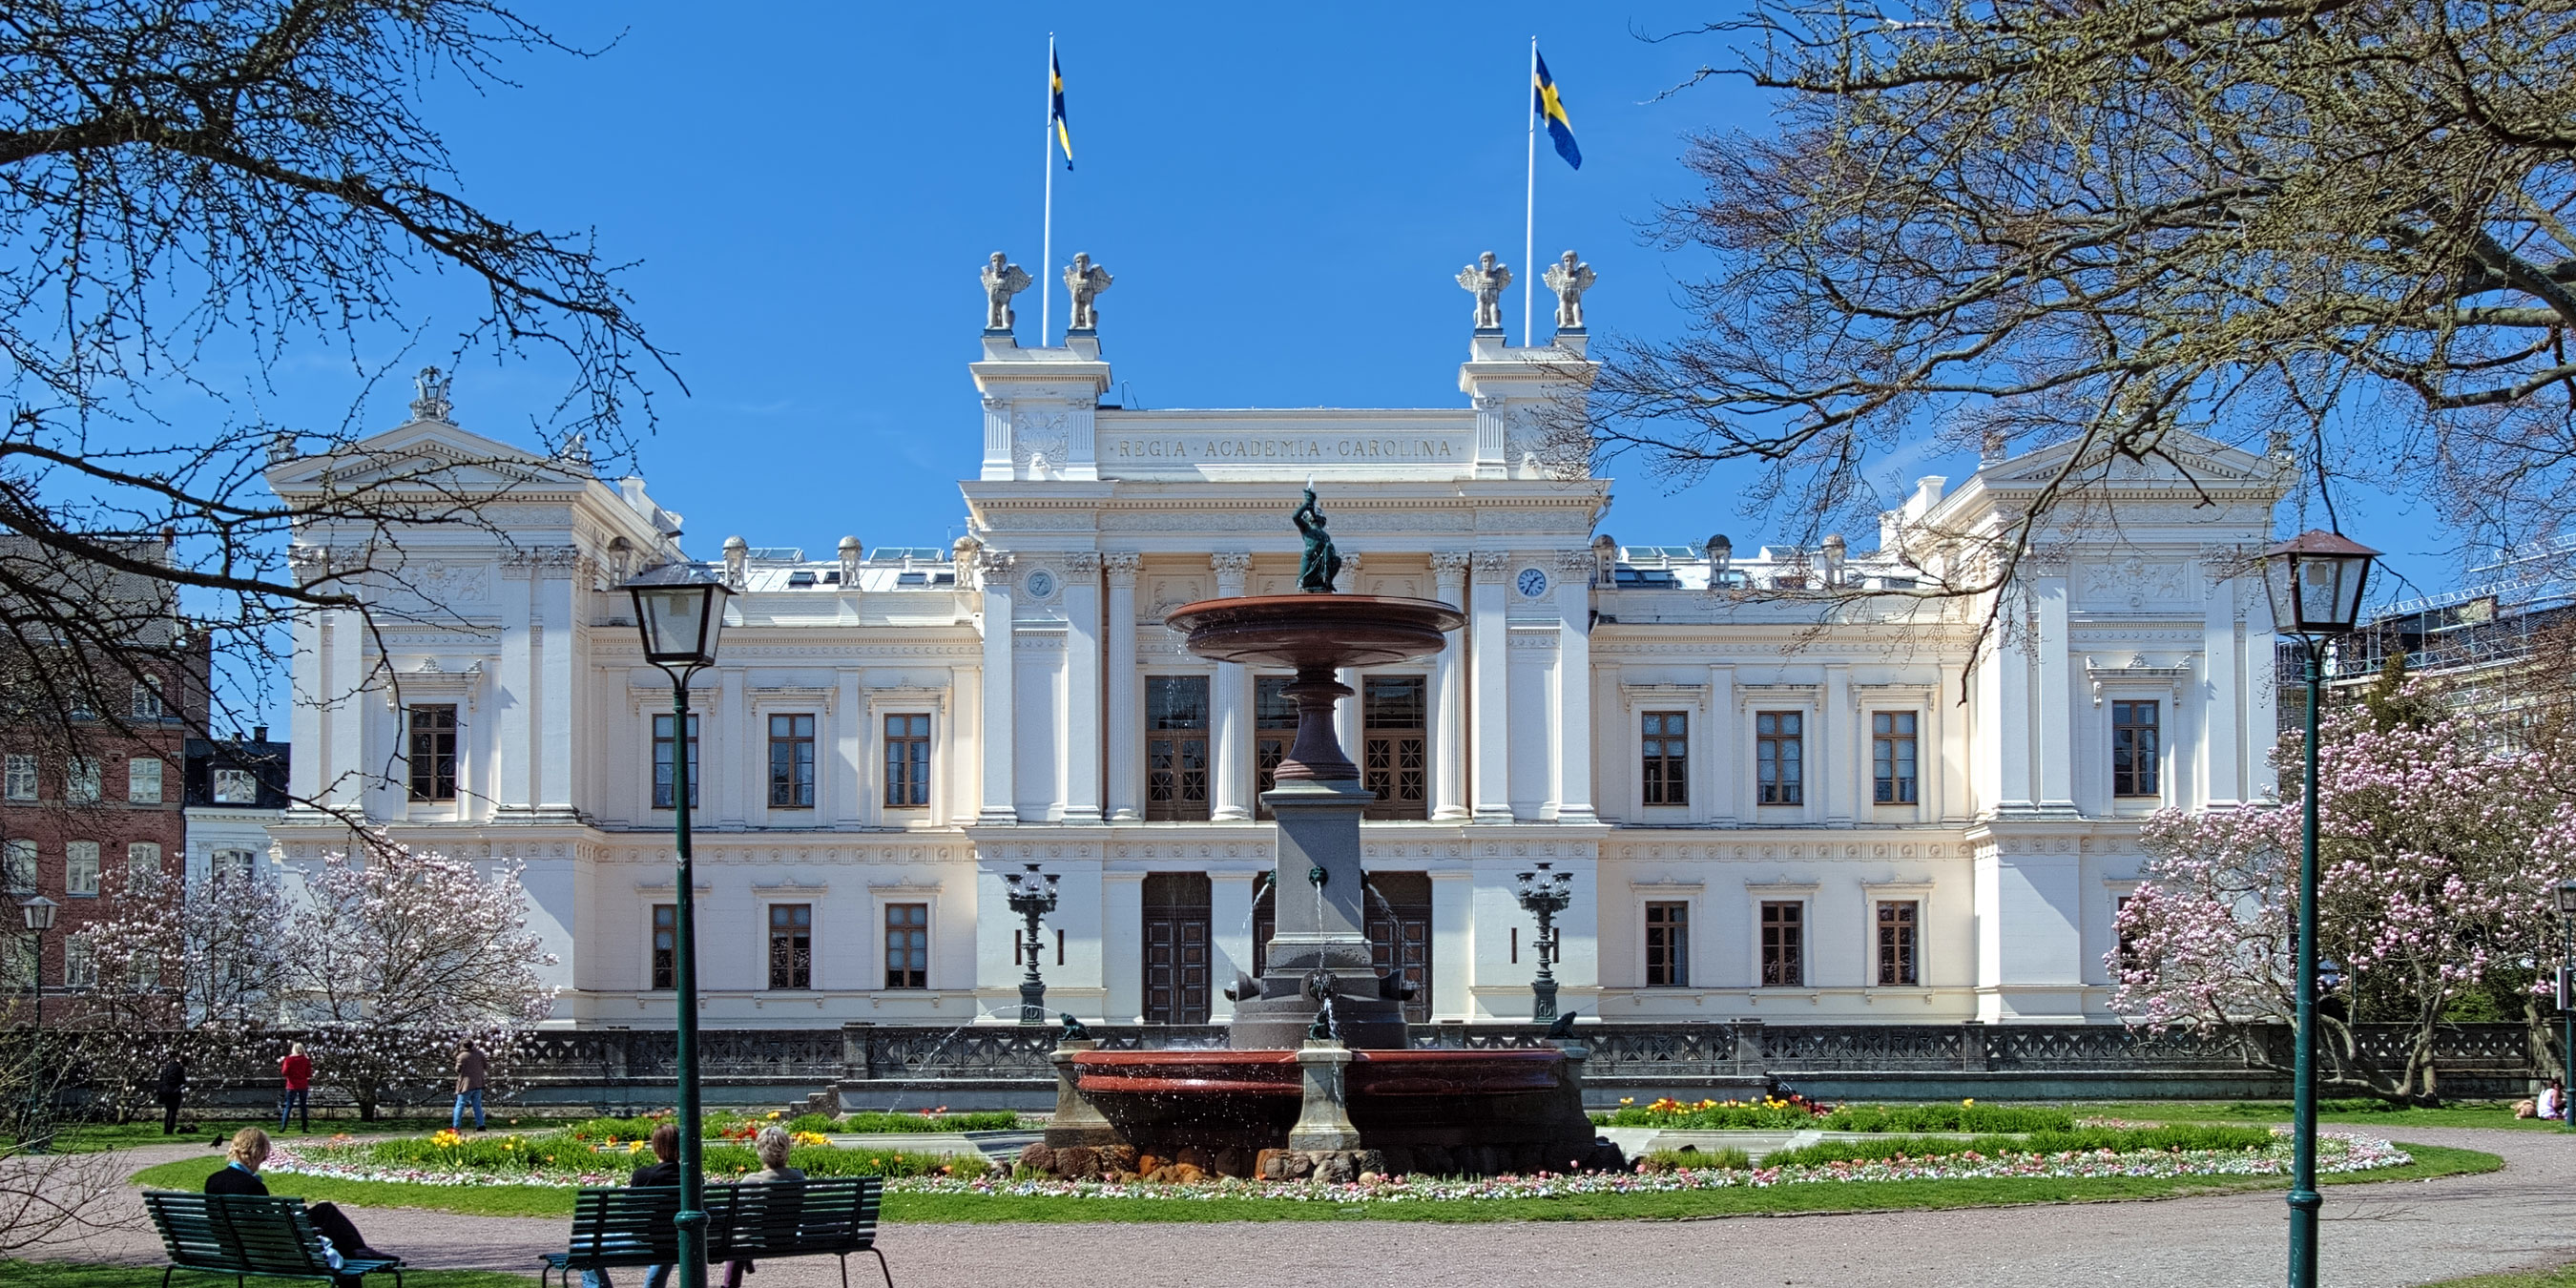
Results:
1284 194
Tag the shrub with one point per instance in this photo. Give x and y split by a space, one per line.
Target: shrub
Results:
1967 1115
1716 1115
2117 1139
895 1122
1674 1160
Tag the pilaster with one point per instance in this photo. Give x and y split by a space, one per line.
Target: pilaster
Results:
1125 712
993 571
1082 687
1489 663
1575 733
2056 704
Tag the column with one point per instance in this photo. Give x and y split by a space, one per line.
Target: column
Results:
1453 943
1575 570
1125 757
1082 687
854 804
2056 695
1489 662
958 748
1229 723
2003 733
1230 925
515 709
993 571
1448 705
2221 695
558 587
1122 946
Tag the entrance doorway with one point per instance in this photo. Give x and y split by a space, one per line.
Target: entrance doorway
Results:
1176 948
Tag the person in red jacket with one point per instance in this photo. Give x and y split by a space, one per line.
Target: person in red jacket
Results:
297 1068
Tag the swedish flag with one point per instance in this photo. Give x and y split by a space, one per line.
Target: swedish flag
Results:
1055 113
1550 107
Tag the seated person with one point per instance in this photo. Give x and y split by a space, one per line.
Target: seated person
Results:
241 1176
666 1171
772 1145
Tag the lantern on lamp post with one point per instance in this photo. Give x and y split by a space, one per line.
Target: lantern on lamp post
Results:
38 913
679 609
2315 582
1032 896
1543 894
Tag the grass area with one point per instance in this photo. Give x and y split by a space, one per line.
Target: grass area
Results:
529 1200
91 1137
2562 1277
68 1274
2342 1113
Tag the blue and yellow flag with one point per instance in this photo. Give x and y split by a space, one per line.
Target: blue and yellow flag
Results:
1055 113
1550 106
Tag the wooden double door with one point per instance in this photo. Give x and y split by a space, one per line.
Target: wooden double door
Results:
1179 957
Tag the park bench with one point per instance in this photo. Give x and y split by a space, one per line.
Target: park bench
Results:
248 1234
634 1226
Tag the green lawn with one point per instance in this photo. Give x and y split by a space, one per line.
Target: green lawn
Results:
85 1137
2340 1113
528 1200
2562 1277
67 1274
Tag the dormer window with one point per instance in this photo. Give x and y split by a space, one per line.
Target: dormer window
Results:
802 578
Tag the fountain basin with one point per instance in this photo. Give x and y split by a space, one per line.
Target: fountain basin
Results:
1308 632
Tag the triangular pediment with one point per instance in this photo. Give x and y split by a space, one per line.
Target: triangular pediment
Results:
427 453
2181 460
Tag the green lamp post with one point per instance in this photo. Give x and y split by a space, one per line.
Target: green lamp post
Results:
680 610
2315 582
2567 997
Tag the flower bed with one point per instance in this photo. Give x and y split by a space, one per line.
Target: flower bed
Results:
1795 1113
570 1159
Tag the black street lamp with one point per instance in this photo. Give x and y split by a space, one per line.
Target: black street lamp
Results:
1544 894
2567 996
1032 896
39 914
680 611
2315 581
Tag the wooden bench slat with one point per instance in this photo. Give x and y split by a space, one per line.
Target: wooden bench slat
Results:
245 1234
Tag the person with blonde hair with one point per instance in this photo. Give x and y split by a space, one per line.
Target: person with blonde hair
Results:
248 1153
771 1145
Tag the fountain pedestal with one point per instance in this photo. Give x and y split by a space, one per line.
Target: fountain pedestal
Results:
1324 1121
1320 941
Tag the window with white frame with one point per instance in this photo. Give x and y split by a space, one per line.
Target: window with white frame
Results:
17 868
2135 745
1780 757
1892 757
236 787
143 780
80 780
146 700
80 869
1668 944
1663 750
18 781
237 866
1784 943
665 768
907 945
142 865
1896 958
80 963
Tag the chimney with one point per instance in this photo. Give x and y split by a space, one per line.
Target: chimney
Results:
259 733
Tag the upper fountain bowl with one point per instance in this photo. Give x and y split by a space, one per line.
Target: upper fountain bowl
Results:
1309 631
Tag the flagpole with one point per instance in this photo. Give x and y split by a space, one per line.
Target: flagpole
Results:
1046 242
1529 212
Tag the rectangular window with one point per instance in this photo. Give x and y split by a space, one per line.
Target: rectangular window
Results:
17 960
2127 936
666 946
1392 739
237 867
20 777
1784 944
1896 920
907 941
80 963
80 780
1664 745
663 764
142 865
791 762
80 868
143 780
1891 743
1274 731
1176 748
17 869
1779 757
2133 748
146 700
791 945
433 752
1668 945
907 761
236 787
145 970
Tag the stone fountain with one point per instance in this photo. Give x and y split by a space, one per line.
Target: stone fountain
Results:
1317 1076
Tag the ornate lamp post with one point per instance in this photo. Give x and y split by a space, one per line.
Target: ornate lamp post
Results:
2315 581
2567 994
1032 895
39 914
1544 894
680 610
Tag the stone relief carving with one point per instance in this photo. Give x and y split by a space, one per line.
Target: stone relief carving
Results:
1268 522
1487 279
1492 563
1231 561
1569 279
1082 565
1449 565
1002 280
1122 567
1085 281
1038 438
432 404
2135 582
456 583
993 567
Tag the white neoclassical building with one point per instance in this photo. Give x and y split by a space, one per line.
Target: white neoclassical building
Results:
1770 808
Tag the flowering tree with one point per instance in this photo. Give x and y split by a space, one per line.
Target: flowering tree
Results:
2436 851
394 960
182 969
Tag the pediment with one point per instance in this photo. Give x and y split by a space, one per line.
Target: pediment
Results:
2183 460
428 453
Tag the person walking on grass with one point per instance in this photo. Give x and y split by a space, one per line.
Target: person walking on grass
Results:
665 1171
470 1066
771 1145
297 1069
171 1088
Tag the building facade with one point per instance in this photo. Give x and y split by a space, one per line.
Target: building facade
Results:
1777 798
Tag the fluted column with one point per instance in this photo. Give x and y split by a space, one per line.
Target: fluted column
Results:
1123 714
1229 732
1449 705
993 571
1082 687
1489 665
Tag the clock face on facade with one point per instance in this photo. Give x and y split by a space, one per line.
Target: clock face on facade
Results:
1041 584
1533 583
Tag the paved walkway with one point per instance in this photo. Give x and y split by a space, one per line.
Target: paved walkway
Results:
2376 1236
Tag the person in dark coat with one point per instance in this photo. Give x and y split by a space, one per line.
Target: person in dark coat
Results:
172 1090
241 1176
665 1171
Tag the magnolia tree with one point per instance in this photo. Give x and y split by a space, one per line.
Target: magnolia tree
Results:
396 959
2436 853
181 969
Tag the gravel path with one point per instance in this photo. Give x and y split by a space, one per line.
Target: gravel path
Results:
2376 1236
